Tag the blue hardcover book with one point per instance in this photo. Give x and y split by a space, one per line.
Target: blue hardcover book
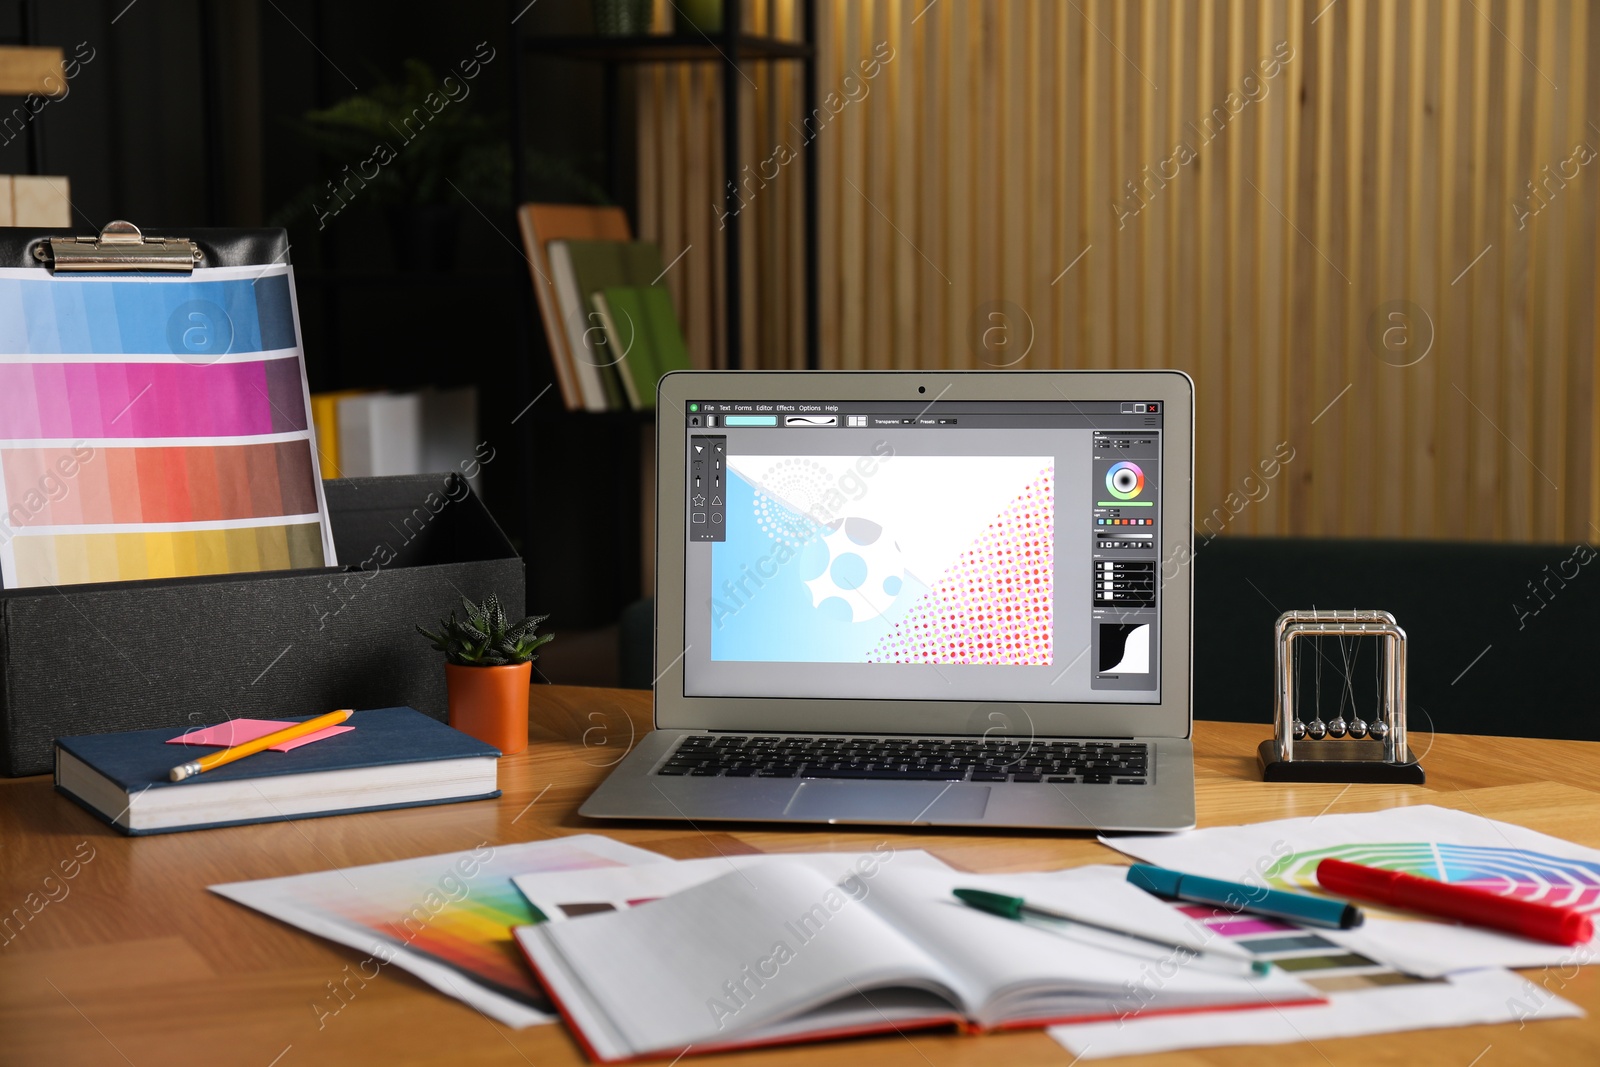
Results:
393 758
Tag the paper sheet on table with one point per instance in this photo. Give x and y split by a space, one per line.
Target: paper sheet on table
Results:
447 918
1425 840
1465 999
155 427
562 895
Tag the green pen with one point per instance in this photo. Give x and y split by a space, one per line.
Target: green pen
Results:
1016 908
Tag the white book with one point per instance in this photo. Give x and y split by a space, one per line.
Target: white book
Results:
380 434
450 433
615 343
576 321
779 951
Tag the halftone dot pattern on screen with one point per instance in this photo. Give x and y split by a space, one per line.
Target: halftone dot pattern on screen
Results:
993 606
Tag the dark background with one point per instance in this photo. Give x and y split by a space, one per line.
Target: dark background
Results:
184 117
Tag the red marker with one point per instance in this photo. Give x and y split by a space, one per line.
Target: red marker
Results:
1542 922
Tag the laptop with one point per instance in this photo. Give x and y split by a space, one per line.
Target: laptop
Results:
920 598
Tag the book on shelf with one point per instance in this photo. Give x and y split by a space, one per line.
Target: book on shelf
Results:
380 434
630 350
581 384
450 433
641 325
584 268
325 422
423 431
575 319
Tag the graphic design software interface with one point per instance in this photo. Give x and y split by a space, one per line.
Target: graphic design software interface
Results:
970 550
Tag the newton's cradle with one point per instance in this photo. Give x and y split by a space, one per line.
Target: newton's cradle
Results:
1344 747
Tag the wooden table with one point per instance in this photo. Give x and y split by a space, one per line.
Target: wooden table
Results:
137 963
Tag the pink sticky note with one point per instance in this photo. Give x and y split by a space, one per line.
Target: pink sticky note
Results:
238 731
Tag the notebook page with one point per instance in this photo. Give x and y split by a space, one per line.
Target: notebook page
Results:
562 895
717 962
1011 970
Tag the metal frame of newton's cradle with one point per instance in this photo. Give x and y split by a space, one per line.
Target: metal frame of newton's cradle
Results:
1349 759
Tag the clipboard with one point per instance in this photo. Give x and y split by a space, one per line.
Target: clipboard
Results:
155 417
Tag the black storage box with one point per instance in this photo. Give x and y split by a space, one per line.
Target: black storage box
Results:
194 651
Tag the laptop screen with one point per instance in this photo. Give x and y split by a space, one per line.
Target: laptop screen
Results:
973 550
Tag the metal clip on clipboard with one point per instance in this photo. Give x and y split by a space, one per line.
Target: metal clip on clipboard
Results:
120 246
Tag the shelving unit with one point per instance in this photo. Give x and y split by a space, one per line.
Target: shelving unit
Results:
24 66
664 48
418 279
732 48
613 566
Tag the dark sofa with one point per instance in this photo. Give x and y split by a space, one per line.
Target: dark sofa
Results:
1501 638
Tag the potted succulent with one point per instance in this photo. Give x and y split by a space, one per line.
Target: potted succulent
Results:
488 663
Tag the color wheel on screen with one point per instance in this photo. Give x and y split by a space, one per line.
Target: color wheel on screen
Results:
1125 480
1512 872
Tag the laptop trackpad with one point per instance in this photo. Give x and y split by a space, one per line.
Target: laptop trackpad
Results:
893 802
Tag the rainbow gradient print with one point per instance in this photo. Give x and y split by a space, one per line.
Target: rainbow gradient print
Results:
471 935
1512 872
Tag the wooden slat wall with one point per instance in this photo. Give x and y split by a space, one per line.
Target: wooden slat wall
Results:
1413 173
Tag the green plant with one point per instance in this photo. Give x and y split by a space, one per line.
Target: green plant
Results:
396 152
487 638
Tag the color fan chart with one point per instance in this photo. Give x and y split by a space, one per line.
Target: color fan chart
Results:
154 428
1559 881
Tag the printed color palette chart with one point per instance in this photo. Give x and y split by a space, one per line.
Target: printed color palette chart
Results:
447 919
154 428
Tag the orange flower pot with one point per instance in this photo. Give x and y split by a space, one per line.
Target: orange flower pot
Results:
491 703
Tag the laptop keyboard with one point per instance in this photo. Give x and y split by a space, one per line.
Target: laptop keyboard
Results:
910 758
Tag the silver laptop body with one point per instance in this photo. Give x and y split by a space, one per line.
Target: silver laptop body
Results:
957 598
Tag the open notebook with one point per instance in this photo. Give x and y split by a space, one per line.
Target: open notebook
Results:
780 952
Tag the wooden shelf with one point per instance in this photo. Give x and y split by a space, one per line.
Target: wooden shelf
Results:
25 70
661 48
410 279
618 415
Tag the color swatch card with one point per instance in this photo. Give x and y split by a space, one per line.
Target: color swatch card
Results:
155 427
1364 996
1365 1007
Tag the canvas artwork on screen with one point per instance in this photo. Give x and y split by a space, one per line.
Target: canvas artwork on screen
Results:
933 559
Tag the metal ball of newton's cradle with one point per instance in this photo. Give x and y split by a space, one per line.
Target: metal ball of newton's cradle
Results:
1299 730
1337 727
1358 727
1317 730
1379 729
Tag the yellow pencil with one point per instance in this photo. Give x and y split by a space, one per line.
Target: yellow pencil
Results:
250 748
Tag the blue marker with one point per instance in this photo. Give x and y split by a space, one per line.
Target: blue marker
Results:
1236 896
